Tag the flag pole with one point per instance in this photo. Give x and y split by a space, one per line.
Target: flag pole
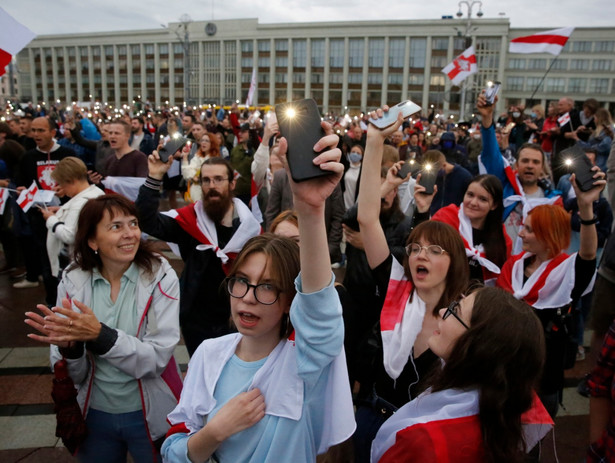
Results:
543 77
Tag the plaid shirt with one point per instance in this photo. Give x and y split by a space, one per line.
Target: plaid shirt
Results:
602 384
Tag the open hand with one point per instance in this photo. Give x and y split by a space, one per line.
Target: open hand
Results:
155 167
239 413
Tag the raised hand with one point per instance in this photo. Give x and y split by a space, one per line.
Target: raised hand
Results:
421 199
156 168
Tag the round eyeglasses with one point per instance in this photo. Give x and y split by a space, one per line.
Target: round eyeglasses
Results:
265 293
453 310
433 250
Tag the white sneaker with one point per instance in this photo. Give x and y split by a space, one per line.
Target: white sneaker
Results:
24 284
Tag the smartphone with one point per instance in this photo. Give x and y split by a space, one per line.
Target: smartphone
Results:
491 90
577 161
299 123
406 108
428 178
409 167
173 146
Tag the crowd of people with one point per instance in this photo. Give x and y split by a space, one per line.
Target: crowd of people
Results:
463 301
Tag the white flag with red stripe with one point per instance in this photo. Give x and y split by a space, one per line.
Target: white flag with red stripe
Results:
14 36
462 67
563 119
252 88
125 186
552 41
26 198
4 196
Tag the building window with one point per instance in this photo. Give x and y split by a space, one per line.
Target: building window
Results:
437 80
396 53
59 52
281 61
318 53
604 46
374 78
439 43
121 49
263 77
336 77
149 49
299 53
246 62
582 46
163 49
281 45
418 48
264 61
355 78
601 65
149 63
514 84
533 82
108 51
416 79
375 57
178 49
264 46
246 46
516 63
135 50
577 84
355 58
438 61
299 77
83 51
598 85
537 63
281 77
396 79
560 64
579 64
556 84
336 57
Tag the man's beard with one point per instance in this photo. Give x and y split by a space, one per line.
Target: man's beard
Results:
216 209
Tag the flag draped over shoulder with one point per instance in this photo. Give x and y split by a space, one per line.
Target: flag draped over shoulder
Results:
552 41
13 37
462 67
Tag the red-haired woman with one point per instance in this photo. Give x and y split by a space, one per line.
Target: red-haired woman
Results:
550 280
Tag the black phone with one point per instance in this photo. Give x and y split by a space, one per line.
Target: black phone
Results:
409 167
577 161
491 90
299 123
173 146
428 178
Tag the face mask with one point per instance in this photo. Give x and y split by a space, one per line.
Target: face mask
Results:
533 115
447 144
355 158
476 136
516 114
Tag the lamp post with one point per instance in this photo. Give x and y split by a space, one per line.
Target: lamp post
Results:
185 21
467 34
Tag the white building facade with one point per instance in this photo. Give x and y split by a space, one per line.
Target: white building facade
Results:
350 66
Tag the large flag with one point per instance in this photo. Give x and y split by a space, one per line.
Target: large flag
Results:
26 198
125 186
13 37
463 66
252 88
552 41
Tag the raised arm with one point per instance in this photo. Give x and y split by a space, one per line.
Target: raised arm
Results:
589 236
309 200
368 216
261 156
490 156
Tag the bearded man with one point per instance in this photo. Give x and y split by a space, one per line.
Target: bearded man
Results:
209 234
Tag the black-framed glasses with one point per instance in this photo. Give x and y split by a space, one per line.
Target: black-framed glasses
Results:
433 250
217 180
452 309
265 293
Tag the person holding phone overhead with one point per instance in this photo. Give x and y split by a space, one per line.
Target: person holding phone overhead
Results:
434 273
268 393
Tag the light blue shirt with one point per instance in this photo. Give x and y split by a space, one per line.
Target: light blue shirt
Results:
114 391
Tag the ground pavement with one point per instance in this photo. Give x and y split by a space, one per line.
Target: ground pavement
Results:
27 422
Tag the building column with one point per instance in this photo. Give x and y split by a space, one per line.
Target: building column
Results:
129 75
116 78
345 74
406 75
427 81
35 95
325 88
238 71
272 72
157 97
308 68
289 74
103 74
54 70
385 76
144 95
91 86
364 74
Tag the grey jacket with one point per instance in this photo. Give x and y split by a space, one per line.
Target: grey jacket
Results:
148 356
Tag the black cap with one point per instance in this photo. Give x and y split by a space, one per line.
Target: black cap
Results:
244 126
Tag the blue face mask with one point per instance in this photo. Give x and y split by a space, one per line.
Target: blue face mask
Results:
533 115
354 157
447 144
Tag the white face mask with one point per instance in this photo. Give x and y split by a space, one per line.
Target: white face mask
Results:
516 114
354 158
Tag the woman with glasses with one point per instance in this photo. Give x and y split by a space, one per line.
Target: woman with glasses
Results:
268 393
434 274
551 281
479 222
208 148
492 347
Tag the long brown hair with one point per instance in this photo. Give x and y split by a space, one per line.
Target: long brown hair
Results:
501 355
448 238
92 213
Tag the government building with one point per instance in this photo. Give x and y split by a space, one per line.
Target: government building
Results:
344 66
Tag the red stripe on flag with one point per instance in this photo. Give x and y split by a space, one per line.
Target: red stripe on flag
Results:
397 296
552 39
5 59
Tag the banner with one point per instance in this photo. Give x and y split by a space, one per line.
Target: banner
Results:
462 67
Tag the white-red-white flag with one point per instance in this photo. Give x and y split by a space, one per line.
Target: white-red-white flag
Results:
462 67
252 88
13 37
4 196
125 186
26 198
552 41
563 119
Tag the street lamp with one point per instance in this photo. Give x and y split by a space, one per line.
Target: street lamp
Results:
467 34
185 21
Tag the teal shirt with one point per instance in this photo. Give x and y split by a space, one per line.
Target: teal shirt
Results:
114 391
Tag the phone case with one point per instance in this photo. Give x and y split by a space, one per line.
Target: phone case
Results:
409 167
173 146
428 180
581 166
299 123
407 108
